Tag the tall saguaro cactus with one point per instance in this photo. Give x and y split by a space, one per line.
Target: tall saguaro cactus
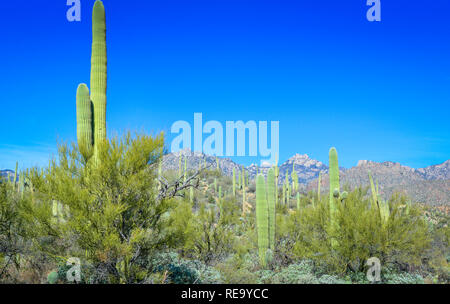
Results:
271 206
98 72
91 107
262 218
234 182
334 189
334 175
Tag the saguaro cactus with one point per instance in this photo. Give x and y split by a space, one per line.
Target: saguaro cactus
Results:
334 189
234 182
319 183
271 206
277 173
378 202
91 109
98 72
15 175
85 123
294 177
262 218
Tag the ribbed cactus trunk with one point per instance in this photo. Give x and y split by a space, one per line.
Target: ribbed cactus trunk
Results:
334 174
234 182
271 206
85 122
334 190
98 74
319 183
277 173
15 175
294 179
262 218
91 108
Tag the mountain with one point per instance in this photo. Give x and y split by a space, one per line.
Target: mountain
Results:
307 169
171 161
429 185
7 173
436 172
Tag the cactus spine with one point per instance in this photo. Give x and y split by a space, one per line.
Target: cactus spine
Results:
271 206
262 218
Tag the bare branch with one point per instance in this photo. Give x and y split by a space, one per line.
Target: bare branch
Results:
176 187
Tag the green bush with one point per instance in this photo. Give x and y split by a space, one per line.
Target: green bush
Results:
362 234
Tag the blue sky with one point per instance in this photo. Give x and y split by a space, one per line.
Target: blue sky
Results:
377 91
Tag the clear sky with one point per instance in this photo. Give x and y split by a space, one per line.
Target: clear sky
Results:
377 91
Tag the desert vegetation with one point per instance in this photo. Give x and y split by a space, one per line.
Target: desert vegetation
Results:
108 203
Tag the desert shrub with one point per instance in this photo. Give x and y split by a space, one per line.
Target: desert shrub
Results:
240 269
16 233
362 234
389 276
214 237
177 270
330 279
113 216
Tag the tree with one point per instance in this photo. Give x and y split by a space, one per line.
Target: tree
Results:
113 211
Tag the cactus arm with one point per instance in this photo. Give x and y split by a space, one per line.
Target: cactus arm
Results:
85 121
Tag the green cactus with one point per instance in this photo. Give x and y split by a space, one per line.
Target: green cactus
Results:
374 201
215 185
262 219
234 182
271 206
239 180
277 172
378 202
98 73
284 194
334 173
298 201
15 175
85 123
288 187
243 191
319 183
334 190
52 277
185 170
91 109
294 179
